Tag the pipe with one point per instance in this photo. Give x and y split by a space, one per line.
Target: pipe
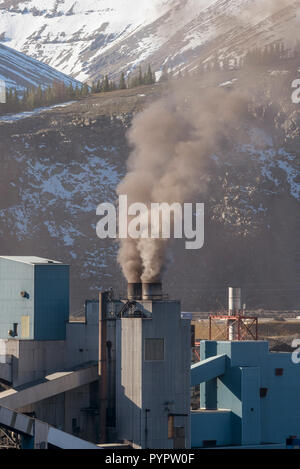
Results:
234 308
152 291
234 301
102 365
134 291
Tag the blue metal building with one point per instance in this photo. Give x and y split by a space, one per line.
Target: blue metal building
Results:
34 298
248 396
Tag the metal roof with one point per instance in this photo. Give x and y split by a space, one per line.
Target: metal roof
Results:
30 260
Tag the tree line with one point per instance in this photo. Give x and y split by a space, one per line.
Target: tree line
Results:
139 79
36 97
256 57
58 92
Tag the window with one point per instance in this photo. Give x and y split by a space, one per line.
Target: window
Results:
263 392
278 371
154 350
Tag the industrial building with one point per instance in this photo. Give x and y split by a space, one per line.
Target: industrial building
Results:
123 376
42 371
249 397
152 353
114 377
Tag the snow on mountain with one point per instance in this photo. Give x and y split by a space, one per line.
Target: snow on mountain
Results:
88 38
64 31
59 165
20 71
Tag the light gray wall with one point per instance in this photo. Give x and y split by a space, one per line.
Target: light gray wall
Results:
129 379
46 305
25 361
32 360
15 277
82 338
162 387
60 411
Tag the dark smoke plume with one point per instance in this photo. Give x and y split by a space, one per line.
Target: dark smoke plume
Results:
172 142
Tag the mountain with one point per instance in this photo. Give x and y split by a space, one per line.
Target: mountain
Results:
88 38
59 165
20 71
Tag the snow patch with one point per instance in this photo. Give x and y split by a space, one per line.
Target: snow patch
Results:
10 118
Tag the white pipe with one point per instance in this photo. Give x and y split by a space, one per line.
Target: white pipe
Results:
234 300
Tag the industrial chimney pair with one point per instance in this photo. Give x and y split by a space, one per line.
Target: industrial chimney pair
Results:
144 291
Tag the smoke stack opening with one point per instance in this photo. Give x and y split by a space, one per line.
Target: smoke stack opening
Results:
134 291
152 291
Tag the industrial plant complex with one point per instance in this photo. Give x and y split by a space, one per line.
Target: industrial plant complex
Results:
123 377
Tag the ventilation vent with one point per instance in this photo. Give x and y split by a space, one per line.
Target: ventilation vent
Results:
263 392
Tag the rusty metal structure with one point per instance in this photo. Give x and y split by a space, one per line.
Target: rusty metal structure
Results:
245 327
236 325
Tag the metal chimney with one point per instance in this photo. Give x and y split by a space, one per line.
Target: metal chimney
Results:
134 291
234 309
234 301
152 291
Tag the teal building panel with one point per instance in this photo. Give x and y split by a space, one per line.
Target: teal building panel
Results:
34 298
260 389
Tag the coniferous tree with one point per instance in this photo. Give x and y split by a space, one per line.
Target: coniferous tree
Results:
106 86
140 77
149 77
122 84
85 90
112 85
38 96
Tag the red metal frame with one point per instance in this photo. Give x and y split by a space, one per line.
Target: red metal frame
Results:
245 330
196 350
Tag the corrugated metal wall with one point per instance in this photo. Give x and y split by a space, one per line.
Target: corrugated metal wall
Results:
16 277
42 312
52 303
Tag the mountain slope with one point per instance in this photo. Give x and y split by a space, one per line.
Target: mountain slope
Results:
59 165
20 71
85 39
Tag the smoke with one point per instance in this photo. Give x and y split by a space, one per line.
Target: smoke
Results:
173 141
172 144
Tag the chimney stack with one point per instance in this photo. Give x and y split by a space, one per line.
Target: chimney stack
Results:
234 308
134 291
152 291
234 301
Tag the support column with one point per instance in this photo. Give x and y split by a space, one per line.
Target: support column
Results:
208 390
